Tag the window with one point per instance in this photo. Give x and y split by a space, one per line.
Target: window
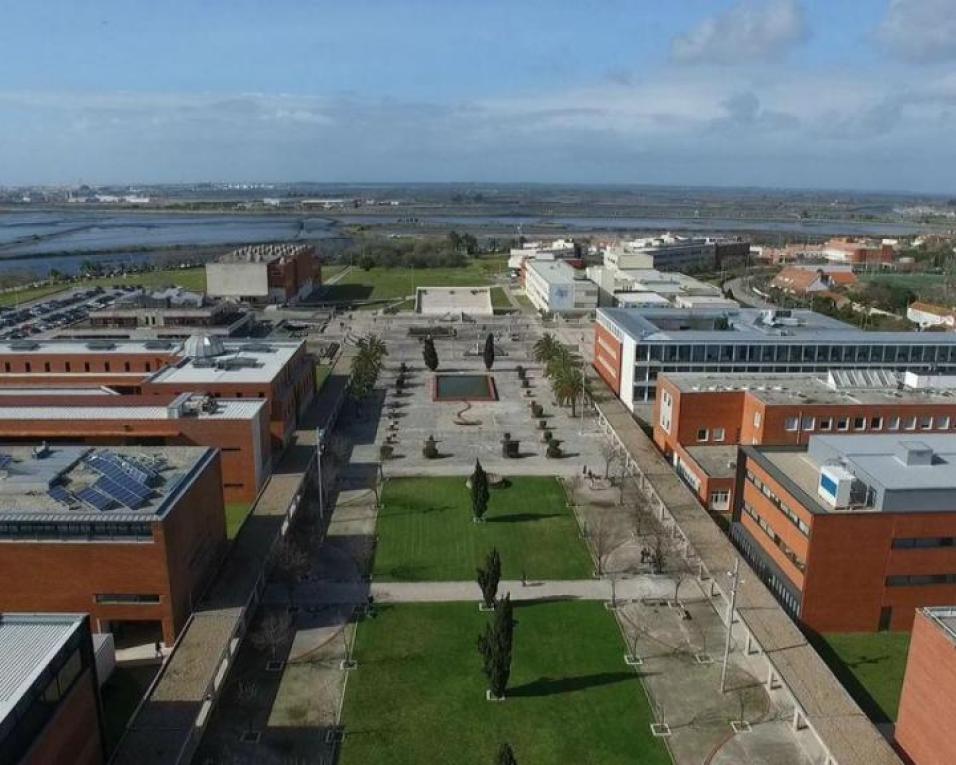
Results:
756 419
922 543
925 423
106 366
719 434
826 423
719 498
148 367
942 423
28 366
126 598
66 366
909 423
791 423
46 366
6 366
126 366
843 423
702 434
893 424
809 423
859 423
86 366
876 423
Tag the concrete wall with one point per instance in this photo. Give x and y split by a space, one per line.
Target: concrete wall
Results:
237 280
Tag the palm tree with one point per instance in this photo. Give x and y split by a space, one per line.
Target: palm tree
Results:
568 384
545 348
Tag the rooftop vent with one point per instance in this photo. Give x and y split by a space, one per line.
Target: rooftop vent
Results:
24 345
203 346
914 453
158 345
101 345
257 348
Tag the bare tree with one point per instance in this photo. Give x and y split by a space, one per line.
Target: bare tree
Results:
272 632
289 564
247 693
601 534
667 557
610 454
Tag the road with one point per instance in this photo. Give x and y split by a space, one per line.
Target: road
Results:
740 289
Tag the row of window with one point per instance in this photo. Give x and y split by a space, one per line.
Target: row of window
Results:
775 538
73 530
68 367
919 580
767 572
782 506
797 352
123 598
923 543
922 422
714 434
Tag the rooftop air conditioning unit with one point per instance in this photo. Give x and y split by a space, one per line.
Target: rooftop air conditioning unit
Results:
839 488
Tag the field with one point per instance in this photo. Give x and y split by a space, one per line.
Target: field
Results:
929 287
426 532
417 695
188 278
391 283
871 667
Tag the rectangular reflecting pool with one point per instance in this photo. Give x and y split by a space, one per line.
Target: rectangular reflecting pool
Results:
464 388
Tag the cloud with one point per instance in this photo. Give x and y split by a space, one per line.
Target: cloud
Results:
920 31
747 31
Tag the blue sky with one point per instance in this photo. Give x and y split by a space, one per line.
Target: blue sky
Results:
783 93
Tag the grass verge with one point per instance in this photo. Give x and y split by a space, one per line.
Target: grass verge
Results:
236 514
426 531
870 666
418 694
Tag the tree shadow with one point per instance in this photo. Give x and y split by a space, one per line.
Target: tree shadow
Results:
520 517
547 686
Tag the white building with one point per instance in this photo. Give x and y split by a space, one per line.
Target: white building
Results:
650 287
667 252
556 250
929 315
557 287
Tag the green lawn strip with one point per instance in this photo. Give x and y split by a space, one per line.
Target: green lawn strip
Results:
380 283
25 294
322 372
120 694
418 694
871 666
236 513
426 531
499 300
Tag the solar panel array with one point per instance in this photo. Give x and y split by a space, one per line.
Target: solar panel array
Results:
95 499
61 495
124 490
113 465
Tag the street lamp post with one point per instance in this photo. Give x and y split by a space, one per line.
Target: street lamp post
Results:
319 449
730 623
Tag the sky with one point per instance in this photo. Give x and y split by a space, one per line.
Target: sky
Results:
845 94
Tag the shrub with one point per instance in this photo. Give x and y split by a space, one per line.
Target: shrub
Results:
431 449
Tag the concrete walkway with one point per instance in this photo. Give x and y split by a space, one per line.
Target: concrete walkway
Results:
324 592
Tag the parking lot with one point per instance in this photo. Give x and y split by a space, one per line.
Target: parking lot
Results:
54 312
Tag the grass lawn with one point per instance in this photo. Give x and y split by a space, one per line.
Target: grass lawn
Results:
417 695
389 283
322 372
871 667
121 693
188 278
426 531
236 513
499 300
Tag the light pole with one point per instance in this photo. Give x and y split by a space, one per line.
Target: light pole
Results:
583 398
319 449
730 623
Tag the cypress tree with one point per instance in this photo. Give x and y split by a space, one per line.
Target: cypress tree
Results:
506 755
479 491
429 354
489 352
489 576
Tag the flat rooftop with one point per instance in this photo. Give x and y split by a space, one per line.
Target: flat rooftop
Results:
264 253
475 301
94 484
120 408
555 271
743 325
715 461
28 643
906 471
945 618
241 362
843 386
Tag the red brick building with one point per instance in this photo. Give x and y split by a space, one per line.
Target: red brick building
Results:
928 701
239 428
129 535
267 273
852 533
50 707
700 418
280 372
